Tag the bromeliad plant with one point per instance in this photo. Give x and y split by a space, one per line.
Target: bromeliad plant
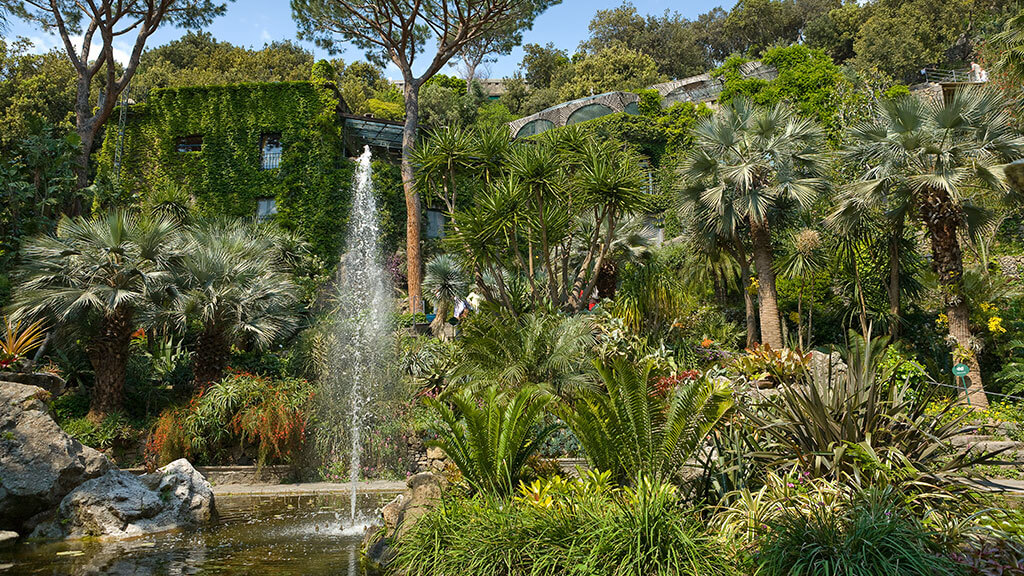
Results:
491 438
631 429
16 342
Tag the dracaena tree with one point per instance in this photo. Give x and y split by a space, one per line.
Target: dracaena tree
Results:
940 158
88 31
748 164
398 32
100 277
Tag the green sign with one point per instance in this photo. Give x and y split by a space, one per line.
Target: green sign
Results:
961 369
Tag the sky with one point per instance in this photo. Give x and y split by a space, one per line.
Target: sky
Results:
253 23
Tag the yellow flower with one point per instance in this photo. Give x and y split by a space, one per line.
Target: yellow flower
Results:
985 306
943 320
995 325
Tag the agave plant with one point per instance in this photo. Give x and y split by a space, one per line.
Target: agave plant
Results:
16 342
633 431
491 438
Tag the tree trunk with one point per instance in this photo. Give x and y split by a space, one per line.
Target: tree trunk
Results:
893 287
941 217
212 350
768 299
108 354
412 200
749 306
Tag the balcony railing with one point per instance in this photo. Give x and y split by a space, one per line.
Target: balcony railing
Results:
270 160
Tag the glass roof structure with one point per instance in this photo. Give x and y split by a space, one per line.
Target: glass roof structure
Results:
379 134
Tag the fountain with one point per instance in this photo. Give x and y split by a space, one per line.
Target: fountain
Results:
359 362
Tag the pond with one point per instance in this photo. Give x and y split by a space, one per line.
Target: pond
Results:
264 535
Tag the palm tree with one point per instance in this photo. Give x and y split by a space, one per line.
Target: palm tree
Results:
748 163
629 429
804 260
546 350
940 155
232 282
1010 43
99 276
444 285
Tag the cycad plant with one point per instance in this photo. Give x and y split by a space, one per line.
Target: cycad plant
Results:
232 282
100 276
492 437
748 164
633 430
940 157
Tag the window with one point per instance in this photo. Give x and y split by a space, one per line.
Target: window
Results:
588 112
534 127
270 151
193 143
266 208
435 224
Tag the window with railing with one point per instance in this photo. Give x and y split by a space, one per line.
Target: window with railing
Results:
193 143
266 208
270 151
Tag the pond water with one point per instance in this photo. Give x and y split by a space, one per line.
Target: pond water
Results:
263 535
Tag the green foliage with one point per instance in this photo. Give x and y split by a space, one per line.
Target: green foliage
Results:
323 71
115 430
807 78
650 102
611 68
198 59
863 426
873 535
311 187
632 428
491 438
535 349
578 527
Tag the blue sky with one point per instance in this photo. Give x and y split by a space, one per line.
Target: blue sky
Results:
256 22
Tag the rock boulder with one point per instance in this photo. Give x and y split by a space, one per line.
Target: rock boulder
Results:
52 383
422 492
39 463
121 505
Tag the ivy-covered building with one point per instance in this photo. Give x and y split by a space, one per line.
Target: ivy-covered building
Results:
278 150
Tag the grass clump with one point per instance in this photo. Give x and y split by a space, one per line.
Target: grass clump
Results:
581 527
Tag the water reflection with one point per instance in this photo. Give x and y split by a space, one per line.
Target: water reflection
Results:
255 535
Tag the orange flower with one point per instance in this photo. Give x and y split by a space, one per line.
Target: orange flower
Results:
707 343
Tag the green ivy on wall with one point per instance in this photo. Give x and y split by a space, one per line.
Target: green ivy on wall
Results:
311 186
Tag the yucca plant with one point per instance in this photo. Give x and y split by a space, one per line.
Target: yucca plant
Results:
16 342
630 429
490 438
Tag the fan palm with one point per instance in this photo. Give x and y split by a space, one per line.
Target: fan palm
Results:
630 429
749 163
444 284
231 282
99 275
939 156
546 350
491 438
805 258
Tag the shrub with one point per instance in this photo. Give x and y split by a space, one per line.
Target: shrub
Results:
561 527
115 430
270 414
862 426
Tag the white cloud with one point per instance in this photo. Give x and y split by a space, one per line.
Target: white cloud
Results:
266 37
43 44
